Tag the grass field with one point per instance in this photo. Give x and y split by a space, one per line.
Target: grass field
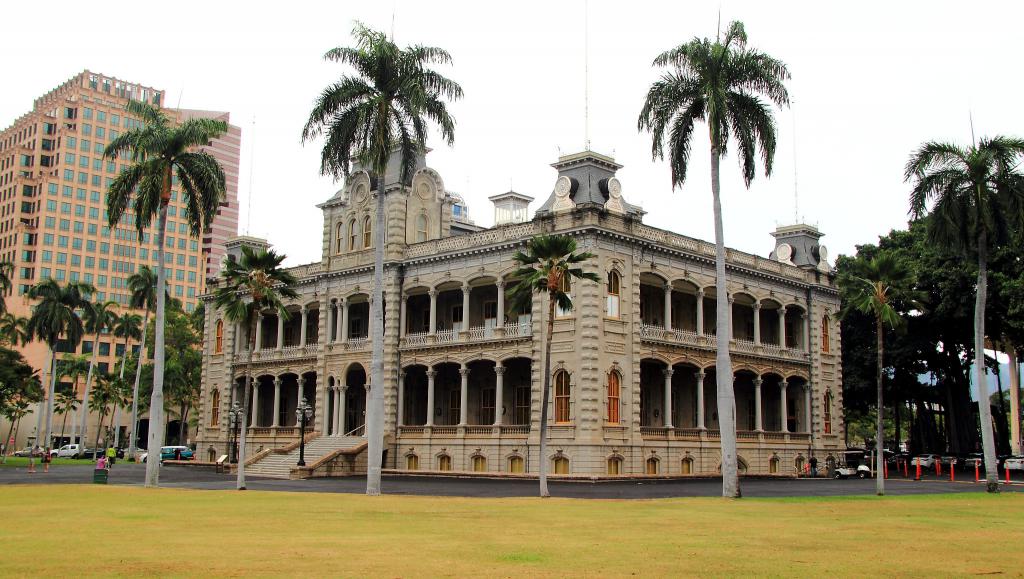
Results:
22 461
87 530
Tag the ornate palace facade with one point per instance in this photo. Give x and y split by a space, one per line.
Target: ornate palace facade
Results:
633 364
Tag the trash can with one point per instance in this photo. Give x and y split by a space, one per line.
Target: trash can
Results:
99 476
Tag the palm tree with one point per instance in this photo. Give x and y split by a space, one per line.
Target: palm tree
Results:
100 401
548 265
880 288
66 402
98 318
127 326
73 368
13 329
143 288
975 198
721 83
249 287
55 316
14 414
6 273
366 116
161 152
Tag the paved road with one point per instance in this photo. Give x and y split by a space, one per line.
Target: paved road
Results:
195 478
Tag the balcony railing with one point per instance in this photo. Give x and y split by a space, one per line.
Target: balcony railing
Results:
515 330
445 336
520 329
690 338
445 430
479 429
417 339
357 343
515 429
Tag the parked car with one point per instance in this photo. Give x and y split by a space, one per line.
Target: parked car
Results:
949 460
1014 463
68 450
172 453
925 460
23 452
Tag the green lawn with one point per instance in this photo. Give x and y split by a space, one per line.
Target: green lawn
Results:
22 462
93 530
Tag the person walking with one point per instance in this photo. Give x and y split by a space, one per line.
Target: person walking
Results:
111 456
32 460
814 466
46 459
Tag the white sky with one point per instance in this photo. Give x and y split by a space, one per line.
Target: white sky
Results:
871 81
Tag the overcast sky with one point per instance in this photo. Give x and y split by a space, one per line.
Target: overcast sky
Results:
871 81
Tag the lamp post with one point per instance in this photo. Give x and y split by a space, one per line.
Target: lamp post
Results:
234 421
302 413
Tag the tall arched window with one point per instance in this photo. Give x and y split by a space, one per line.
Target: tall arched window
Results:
562 389
412 462
614 286
421 228
561 465
444 462
479 464
827 412
219 342
339 238
564 286
687 465
215 408
652 465
353 234
614 465
515 464
825 333
613 397
367 229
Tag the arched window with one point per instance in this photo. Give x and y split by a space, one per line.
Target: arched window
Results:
515 464
353 234
825 334
421 228
613 397
412 462
652 465
614 287
614 465
339 238
367 230
561 465
215 409
479 464
773 465
444 462
219 343
687 465
827 412
562 389
800 464
564 286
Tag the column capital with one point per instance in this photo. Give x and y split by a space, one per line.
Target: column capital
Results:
402 375
700 293
668 372
431 373
500 284
668 288
730 299
757 305
499 369
304 309
343 301
701 374
783 385
302 381
343 387
432 292
277 381
782 311
758 381
464 371
466 287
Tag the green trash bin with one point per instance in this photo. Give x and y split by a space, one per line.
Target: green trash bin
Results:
99 476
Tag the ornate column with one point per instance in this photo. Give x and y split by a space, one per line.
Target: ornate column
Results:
302 329
700 312
277 402
499 389
668 307
330 322
758 426
667 420
255 403
298 392
501 304
343 327
400 411
402 315
782 327
280 332
340 405
464 393
700 399
805 323
431 374
783 411
432 330
757 323
807 407
259 332
465 307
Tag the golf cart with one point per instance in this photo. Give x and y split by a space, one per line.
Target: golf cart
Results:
853 465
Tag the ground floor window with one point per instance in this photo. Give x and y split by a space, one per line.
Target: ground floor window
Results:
773 465
515 464
652 465
412 462
479 464
800 463
614 466
561 465
687 465
444 462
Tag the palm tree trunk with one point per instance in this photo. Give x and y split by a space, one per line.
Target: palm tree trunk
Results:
375 413
984 404
3 460
723 363
84 415
99 427
117 404
879 455
135 391
41 410
156 401
49 402
63 425
545 397
243 423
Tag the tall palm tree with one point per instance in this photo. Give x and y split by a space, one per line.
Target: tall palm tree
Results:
385 105
73 368
881 288
98 318
13 329
975 198
101 400
6 274
66 402
160 152
14 413
143 287
247 288
549 262
55 316
127 326
722 84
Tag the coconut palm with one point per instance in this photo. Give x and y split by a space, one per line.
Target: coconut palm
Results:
975 198
13 329
6 274
721 83
548 265
14 413
881 288
66 402
385 106
101 400
248 287
143 287
161 152
73 368
98 318
55 316
127 326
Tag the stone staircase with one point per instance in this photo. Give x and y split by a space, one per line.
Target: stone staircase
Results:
276 464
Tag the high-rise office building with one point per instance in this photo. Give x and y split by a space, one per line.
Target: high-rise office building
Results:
53 221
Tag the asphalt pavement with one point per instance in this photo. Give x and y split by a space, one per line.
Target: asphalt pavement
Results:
433 485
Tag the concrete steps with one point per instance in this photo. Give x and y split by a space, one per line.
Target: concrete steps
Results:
279 465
